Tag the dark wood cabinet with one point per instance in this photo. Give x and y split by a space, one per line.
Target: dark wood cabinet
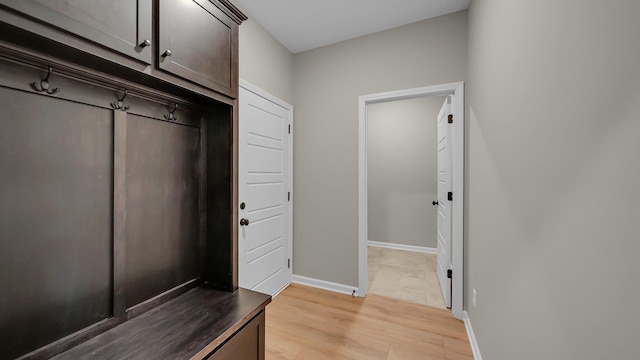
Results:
198 42
247 344
118 173
190 43
120 25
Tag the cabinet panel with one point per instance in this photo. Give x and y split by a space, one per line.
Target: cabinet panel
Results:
197 42
246 344
56 171
121 25
163 220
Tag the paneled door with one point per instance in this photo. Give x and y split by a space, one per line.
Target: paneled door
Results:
444 202
264 236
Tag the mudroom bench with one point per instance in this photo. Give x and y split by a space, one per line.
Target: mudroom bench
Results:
203 323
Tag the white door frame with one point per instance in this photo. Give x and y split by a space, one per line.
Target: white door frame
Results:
289 163
457 138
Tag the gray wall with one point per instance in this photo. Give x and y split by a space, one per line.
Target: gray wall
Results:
402 170
327 83
553 172
264 62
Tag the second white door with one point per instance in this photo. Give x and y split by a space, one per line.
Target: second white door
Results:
444 202
264 244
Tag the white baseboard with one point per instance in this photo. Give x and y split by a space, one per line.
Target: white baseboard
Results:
472 336
280 290
387 245
325 285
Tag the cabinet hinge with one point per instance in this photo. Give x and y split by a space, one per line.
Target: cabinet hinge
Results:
450 119
289 128
450 196
288 263
449 274
289 196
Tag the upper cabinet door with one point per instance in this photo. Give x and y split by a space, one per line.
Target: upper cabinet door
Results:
120 25
198 42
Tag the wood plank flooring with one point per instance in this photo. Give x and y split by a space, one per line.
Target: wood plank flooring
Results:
308 323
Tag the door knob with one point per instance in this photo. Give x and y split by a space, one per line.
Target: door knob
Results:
145 43
242 206
167 53
244 222
434 203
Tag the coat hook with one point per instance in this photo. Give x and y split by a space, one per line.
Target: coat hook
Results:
170 116
44 84
119 105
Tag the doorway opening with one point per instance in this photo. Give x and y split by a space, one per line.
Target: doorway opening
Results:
456 93
402 165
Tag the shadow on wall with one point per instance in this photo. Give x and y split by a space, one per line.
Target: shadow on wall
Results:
402 170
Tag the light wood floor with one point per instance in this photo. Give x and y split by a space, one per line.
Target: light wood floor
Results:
308 323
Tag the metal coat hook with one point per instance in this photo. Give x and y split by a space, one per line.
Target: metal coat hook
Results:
170 116
44 85
119 105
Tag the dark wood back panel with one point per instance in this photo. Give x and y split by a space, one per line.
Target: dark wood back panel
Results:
220 258
55 219
163 189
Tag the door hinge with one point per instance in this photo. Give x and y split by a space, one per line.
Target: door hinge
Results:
289 196
289 128
450 196
288 263
449 274
450 119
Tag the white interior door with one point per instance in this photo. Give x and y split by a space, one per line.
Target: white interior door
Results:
264 244
444 203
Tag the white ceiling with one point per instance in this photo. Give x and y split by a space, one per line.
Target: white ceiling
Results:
302 25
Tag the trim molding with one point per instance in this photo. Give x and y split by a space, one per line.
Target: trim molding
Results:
325 285
472 336
281 290
386 245
263 93
235 13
